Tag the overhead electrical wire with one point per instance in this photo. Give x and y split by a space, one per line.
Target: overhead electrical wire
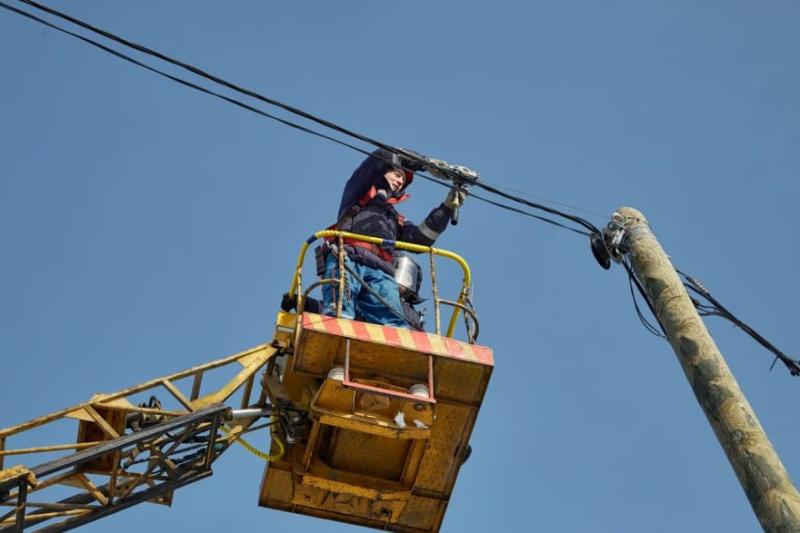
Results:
717 309
633 280
603 216
296 111
252 109
291 109
180 80
506 206
714 309
588 228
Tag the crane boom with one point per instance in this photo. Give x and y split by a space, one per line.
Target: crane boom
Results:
125 453
370 423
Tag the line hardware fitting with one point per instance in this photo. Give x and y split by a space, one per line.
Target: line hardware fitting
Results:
612 243
446 175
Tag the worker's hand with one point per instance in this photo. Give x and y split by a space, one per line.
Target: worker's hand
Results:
456 196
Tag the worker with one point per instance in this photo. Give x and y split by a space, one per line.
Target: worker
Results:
368 207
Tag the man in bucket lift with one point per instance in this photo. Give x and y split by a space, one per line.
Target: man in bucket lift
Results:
368 208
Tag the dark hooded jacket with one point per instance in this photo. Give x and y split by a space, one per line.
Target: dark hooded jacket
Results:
364 211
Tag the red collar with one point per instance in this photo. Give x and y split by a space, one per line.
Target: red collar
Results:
373 192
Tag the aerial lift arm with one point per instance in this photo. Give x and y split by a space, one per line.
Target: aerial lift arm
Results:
127 453
369 423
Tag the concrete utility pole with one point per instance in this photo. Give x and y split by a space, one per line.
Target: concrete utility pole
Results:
766 483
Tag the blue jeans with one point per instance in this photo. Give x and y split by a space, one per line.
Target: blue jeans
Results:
358 302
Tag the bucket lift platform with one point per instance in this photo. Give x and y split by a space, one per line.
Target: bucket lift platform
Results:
369 424
390 413
391 421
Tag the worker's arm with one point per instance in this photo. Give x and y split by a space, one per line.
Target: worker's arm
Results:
369 174
430 229
435 223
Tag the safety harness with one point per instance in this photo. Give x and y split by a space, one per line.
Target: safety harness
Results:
346 220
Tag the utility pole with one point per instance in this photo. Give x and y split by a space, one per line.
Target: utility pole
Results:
772 495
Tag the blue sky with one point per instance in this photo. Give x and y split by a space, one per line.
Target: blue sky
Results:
146 228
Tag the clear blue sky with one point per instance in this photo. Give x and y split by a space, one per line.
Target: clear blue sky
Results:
146 228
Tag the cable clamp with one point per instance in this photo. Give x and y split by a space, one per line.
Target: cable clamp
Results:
611 242
615 236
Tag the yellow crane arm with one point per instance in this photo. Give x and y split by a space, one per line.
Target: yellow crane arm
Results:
138 444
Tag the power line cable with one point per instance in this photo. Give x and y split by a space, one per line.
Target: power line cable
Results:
550 200
633 280
717 309
453 175
182 81
253 109
531 215
509 208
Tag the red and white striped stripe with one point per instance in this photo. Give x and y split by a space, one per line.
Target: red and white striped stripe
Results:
400 337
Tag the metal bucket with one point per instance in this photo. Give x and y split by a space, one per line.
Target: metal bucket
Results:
407 274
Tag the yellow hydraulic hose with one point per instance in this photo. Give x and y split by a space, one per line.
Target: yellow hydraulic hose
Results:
258 453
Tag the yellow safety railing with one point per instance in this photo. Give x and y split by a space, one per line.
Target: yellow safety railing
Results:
463 297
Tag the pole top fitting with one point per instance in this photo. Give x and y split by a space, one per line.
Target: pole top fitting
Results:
630 214
612 243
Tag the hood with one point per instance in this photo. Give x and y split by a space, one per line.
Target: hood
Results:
370 174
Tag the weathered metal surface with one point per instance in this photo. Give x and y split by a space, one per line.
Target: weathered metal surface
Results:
114 435
376 455
771 493
458 382
267 352
369 455
153 447
415 341
16 472
446 448
422 514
